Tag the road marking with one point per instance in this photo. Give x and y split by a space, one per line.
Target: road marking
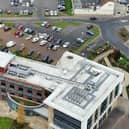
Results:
124 21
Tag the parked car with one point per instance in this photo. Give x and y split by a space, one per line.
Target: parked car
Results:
20 27
43 42
35 39
28 37
7 28
79 40
66 44
10 44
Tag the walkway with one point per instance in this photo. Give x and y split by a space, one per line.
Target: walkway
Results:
34 121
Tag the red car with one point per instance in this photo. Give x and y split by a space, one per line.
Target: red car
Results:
7 28
20 27
17 33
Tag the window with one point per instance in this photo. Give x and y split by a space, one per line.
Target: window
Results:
116 90
47 93
3 90
11 85
111 97
89 123
3 82
96 115
103 106
65 121
20 89
30 91
39 93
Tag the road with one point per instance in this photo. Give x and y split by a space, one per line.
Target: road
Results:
108 25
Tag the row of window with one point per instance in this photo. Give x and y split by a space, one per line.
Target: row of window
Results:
103 107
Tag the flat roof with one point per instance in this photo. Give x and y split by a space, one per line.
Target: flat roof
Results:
92 81
5 58
76 83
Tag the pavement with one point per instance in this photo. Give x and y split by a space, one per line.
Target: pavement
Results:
35 122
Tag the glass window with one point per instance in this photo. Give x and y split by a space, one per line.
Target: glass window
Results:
96 115
3 82
103 106
116 90
39 93
89 123
111 97
20 89
30 91
11 85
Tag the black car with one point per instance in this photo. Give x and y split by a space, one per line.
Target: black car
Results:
93 18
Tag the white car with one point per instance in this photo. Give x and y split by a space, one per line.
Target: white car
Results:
2 25
43 42
35 39
80 40
42 35
55 13
28 37
54 28
10 44
51 13
66 44
58 29
44 23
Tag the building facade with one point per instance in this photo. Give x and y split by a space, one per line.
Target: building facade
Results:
94 7
75 94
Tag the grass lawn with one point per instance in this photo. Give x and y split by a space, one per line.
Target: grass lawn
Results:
9 24
64 24
97 32
6 123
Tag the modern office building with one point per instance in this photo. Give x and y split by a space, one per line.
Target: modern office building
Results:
75 94
99 7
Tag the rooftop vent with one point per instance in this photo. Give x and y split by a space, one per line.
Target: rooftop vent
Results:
70 57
